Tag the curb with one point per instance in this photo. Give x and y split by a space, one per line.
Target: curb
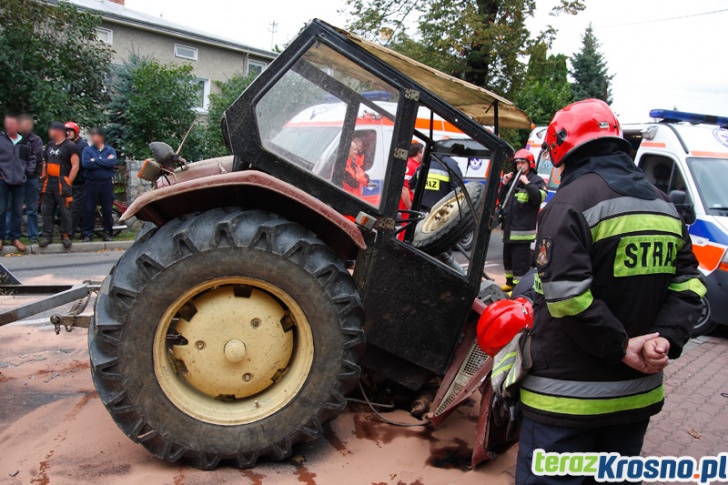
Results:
78 247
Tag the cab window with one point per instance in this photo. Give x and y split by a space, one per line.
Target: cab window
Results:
662 172
324 114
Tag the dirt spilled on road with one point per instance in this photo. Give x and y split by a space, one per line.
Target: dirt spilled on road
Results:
55 431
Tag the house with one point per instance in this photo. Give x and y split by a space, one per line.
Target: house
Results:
213 58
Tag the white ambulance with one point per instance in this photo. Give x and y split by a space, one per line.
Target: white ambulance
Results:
688 153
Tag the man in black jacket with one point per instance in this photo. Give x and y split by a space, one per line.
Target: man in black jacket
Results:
519 219
617 293
439 180
73 133
32 195
16 161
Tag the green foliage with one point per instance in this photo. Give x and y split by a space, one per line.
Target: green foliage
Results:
219 102
152 102
546 88
51 62
480 41
590 72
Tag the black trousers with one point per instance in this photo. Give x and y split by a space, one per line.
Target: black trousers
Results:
624 439
516 260
79 194
98 192
51 199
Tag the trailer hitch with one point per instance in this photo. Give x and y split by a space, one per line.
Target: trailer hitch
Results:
58 295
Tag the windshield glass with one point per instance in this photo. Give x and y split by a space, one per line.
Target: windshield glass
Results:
711 178
333 118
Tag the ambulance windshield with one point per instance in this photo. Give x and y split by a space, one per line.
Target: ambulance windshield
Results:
711 178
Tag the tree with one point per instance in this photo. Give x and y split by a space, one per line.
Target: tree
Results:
590 72
219 102
152 102
546 87
51 62
480 41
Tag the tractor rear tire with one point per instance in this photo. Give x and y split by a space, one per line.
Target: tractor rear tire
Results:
226 336
448 221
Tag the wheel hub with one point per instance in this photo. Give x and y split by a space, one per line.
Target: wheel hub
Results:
235 342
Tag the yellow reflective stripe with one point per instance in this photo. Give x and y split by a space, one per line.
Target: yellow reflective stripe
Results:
522 196
618 226
543 194
507 362
588 407
571 306
537 286
434 176
693 284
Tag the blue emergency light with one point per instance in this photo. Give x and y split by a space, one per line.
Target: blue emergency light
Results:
695 118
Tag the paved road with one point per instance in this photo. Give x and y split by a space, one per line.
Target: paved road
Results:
61 268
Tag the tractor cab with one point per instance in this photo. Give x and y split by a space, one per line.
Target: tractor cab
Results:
335 115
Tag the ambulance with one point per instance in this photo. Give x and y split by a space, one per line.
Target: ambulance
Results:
687 153
550 174
324 124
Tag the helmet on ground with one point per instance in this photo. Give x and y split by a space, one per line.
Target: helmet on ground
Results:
501 321
71 125
526 155
578 124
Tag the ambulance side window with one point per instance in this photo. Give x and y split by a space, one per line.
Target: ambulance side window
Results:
662 172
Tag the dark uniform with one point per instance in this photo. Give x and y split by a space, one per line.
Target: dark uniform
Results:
79 191
56 187
613 261
439 182
519 225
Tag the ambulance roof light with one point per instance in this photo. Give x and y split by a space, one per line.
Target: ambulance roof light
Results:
671 116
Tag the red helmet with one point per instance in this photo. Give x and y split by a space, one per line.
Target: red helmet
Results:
71 125
501 321
580 123
524 154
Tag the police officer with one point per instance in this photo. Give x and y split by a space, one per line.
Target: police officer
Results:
439 182
618 290
519 220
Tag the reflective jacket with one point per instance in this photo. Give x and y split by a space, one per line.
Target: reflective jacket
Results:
609 266
519 224
439 183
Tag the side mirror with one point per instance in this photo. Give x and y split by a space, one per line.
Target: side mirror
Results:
684 207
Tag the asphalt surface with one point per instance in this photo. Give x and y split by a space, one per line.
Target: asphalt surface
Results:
62 268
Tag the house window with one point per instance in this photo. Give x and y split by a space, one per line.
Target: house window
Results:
256 67
105 35
202 95
185 52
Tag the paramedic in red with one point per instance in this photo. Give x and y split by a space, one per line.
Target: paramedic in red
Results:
355 178
62 162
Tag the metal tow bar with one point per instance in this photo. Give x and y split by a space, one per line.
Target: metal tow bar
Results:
58 295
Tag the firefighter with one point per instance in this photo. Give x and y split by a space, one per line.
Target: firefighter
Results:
519 220
439 180
617 292
62 162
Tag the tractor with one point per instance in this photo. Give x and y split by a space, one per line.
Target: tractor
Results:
264 287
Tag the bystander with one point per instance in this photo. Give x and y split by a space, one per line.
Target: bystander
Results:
31 195
98 161
16 160
73 133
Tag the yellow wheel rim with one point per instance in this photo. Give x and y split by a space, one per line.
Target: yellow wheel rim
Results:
233 351
442 213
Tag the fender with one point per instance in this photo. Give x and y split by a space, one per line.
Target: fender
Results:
249 189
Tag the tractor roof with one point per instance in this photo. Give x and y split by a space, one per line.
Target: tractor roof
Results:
472 100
